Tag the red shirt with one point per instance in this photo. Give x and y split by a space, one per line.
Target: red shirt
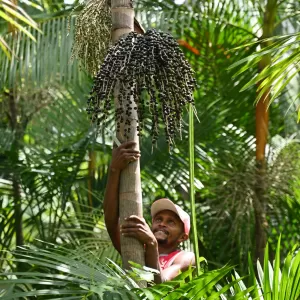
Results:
166 260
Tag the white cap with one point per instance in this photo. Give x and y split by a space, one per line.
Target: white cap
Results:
166 204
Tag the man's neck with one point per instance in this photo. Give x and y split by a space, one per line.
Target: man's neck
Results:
166 249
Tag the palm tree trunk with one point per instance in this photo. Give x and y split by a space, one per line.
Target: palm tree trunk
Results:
15 151
130 192
262 120
13 115
18 212
91 176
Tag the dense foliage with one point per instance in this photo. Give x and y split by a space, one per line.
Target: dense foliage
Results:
53 162
66 273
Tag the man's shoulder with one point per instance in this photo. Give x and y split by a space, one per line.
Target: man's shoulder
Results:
185 253
185 257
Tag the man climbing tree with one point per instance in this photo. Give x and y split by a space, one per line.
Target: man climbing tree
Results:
141 77
170 224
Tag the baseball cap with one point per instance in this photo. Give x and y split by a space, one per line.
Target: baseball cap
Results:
167 204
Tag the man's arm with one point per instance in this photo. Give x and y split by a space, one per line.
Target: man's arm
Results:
152 259
111 207
121 156
138 228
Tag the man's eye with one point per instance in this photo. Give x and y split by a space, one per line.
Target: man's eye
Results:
158 220
171 222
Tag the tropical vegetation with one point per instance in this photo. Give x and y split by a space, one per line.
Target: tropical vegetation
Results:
69 274
53 162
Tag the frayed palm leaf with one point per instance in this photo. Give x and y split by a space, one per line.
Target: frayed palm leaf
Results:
15 16
279 75
59 272
44 62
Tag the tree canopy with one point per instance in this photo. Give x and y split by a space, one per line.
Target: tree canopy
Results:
54 162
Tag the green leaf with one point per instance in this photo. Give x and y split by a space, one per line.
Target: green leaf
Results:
241 294
238 281
17 15
266 278
17 25
293 285
283 291
5 48
207 282
276 278
252 278
51 292
192 187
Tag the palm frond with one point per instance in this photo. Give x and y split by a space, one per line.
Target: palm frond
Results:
271 282
60 271
281 73
168 16
52 152
17 19
37 64
57 271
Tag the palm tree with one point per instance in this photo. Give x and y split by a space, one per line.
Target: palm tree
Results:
130 191
262 124
158 79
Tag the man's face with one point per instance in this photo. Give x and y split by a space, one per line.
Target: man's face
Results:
168 229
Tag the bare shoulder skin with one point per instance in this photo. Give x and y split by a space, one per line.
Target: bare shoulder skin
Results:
180 264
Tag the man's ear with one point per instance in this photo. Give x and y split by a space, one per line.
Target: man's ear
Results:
183 238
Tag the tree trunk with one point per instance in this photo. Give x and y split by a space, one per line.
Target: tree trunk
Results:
261 224
13 115
91 176
18 212
130 192
262 120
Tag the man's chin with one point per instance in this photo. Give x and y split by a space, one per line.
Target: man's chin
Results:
161 237
162 241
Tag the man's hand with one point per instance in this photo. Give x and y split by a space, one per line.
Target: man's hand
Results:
137 227
123 155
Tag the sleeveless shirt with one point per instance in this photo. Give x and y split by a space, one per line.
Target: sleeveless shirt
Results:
166 260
